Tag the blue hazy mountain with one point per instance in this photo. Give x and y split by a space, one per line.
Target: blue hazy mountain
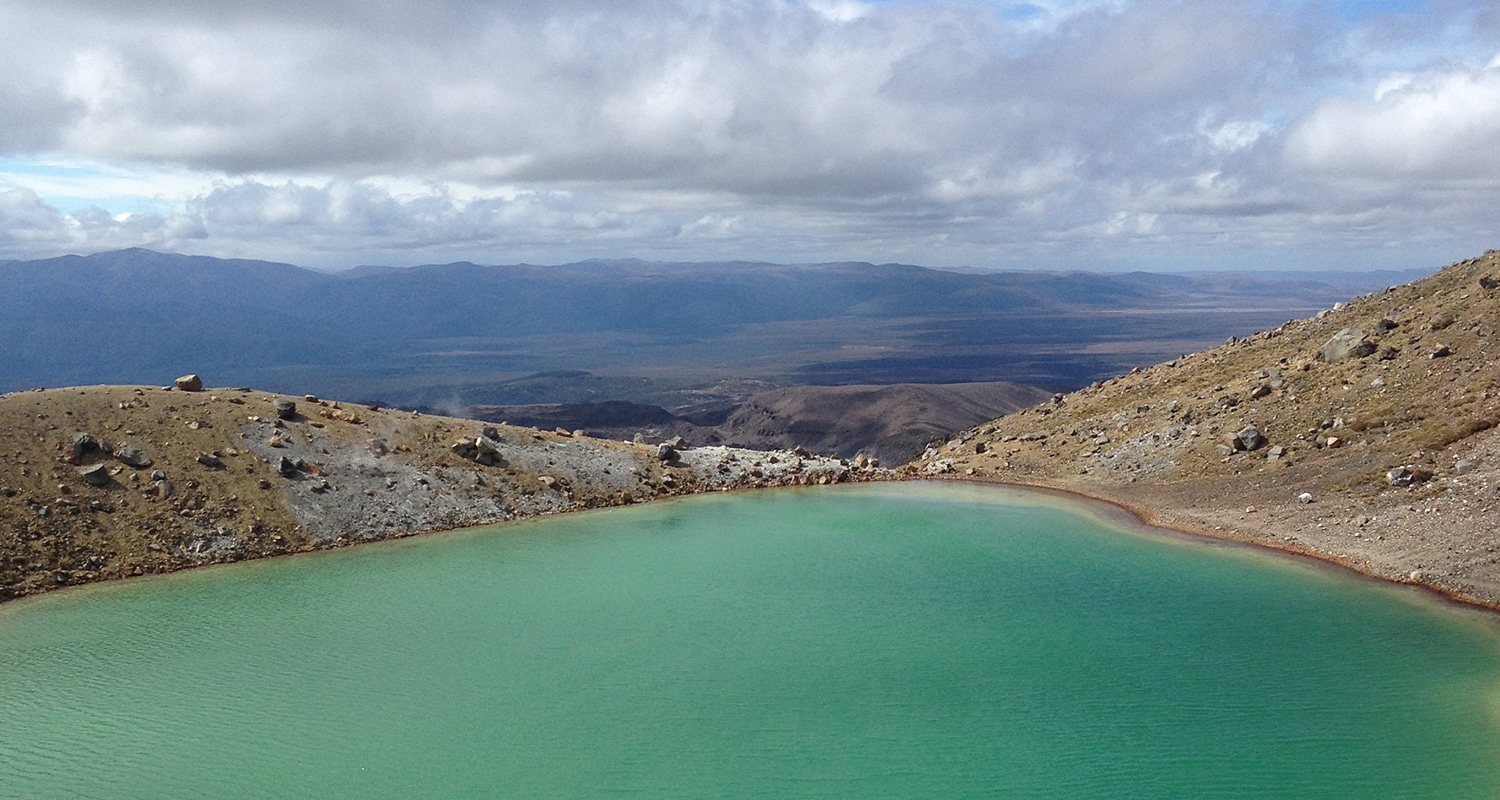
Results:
462 332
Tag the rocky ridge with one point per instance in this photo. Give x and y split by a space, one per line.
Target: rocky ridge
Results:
106 482
1365 436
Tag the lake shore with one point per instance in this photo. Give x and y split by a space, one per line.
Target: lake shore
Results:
1259 529
372 474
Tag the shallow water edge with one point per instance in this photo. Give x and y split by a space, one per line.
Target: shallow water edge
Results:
1114 512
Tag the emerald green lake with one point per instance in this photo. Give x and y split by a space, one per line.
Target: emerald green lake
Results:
895 640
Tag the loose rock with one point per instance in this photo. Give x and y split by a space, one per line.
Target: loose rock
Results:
83 445
133 456
189 383
1349 342
96 475
1250 437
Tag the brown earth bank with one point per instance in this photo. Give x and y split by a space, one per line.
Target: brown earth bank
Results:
105 482
1365 436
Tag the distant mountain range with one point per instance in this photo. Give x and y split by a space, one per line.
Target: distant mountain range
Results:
456 335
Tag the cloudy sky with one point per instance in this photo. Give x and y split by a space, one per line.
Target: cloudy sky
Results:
1096 134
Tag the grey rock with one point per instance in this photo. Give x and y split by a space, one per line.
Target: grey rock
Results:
285 409
96 475
1386 325
158 475
1349 342
83 444
189 383
9 491
290 467
210 460
1400 476
1441 320
1250 438
490 432
1441 351
677 443
666 452
133 456
379 447
164 489
640 438
1463 466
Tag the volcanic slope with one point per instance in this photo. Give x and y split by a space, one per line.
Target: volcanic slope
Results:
1365 435
105 482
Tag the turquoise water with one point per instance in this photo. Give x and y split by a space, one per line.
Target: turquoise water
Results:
915 640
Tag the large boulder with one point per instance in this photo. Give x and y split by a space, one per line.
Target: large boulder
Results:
1347 343
1247 438
1250 438
285 409
190 383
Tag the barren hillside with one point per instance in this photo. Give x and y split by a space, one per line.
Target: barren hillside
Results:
1364 435
105 482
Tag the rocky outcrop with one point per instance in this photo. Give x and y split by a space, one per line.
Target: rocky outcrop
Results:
230 478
